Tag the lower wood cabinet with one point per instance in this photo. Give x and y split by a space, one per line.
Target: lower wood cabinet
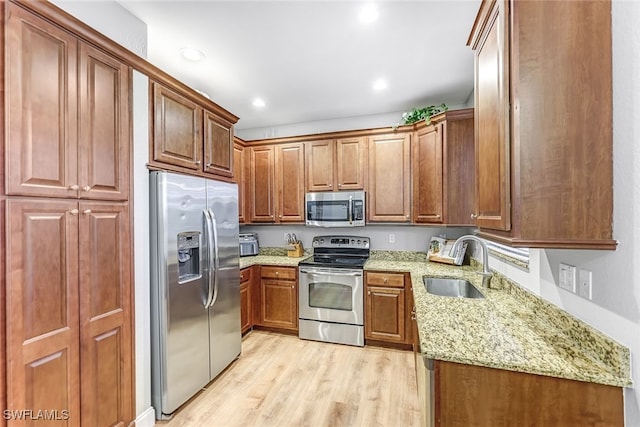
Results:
69 300
467 395
386 307
279 297
246 291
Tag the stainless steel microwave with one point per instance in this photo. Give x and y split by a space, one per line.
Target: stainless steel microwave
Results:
335 209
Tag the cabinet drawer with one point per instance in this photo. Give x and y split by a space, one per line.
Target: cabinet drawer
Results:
286 273
245 274
393 280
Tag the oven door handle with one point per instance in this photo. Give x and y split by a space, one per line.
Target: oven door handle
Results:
332 272
350 214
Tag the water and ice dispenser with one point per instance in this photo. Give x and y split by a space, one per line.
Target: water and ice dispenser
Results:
189 256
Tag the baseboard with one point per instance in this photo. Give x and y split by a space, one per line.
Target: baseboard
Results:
147 418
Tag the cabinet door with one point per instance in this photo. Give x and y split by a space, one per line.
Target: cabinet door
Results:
385 314
41 111
279 304
42 305
261 184
240 177
427 175
245 306
319 163
177 129
493 187
290 182
218 140
105 314
351 158
105 129
389 178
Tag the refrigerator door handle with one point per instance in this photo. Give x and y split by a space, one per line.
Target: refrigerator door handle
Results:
210 257
216 257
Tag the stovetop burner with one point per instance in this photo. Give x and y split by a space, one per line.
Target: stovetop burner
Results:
338 252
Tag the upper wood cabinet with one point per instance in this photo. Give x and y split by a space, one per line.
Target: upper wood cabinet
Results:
241 178
276 184
544 167
443 166
188 136
68 114
334 165
389 195
290 182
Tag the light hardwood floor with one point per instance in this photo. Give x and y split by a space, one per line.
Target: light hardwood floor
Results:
281 380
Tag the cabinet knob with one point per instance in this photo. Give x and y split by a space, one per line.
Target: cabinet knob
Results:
74 187
385 280
86 188
293 286
198 162
437 216
339 185
86 211
74 211
209 165
407 216
330 185
368 292
277 273
474 216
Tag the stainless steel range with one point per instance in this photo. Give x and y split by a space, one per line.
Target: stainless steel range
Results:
332 290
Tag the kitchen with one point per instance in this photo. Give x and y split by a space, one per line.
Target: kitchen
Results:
613 309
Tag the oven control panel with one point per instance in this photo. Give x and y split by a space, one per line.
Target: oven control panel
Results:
354 242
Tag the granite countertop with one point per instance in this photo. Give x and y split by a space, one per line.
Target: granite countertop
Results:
509 329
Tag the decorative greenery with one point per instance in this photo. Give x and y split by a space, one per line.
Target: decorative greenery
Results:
425 113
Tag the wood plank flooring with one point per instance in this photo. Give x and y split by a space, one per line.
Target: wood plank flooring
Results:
281 380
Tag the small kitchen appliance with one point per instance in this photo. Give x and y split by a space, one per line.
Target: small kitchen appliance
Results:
331 297
249 244
335 209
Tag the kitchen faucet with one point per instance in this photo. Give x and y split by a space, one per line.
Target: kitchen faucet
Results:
486 274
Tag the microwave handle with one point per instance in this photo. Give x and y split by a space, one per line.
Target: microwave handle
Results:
350 210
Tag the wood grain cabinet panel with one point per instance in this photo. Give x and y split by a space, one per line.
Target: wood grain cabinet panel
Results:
544 171
279 298
42 110
240 177
389 195
262 184
177 127
105 141
290 182
320 165
105 314
334 165
218 145
42 304
387 298
465 396
246 309
351 161
443 170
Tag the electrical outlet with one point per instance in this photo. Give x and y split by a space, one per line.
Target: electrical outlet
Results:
567 277
585 285
392 238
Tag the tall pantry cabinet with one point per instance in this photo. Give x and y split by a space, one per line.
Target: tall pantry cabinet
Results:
68 301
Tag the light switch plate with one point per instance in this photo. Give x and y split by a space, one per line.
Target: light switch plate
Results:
567 277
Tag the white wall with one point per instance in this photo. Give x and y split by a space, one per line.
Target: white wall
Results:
407 237
118 24
614 309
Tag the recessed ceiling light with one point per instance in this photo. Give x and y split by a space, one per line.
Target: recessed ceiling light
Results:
368 14
192 54
380 84
259 103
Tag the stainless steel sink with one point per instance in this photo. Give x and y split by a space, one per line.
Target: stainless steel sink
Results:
457 288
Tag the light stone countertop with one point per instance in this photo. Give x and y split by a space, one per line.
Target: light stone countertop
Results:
509 329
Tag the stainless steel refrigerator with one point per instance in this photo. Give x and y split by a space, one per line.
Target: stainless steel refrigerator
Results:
195 285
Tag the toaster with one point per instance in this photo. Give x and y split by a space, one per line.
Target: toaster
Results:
249 244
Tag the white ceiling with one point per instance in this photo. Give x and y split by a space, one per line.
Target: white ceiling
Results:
314 60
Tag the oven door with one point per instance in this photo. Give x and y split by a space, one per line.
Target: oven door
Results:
331 295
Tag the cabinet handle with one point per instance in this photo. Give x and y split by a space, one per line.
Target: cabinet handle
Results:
293 286
74 211
86 211
474 216
74 187
368 292
198 162
407 216
437 216
86 188
339 185
277 273
385 280
330 185
209 165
